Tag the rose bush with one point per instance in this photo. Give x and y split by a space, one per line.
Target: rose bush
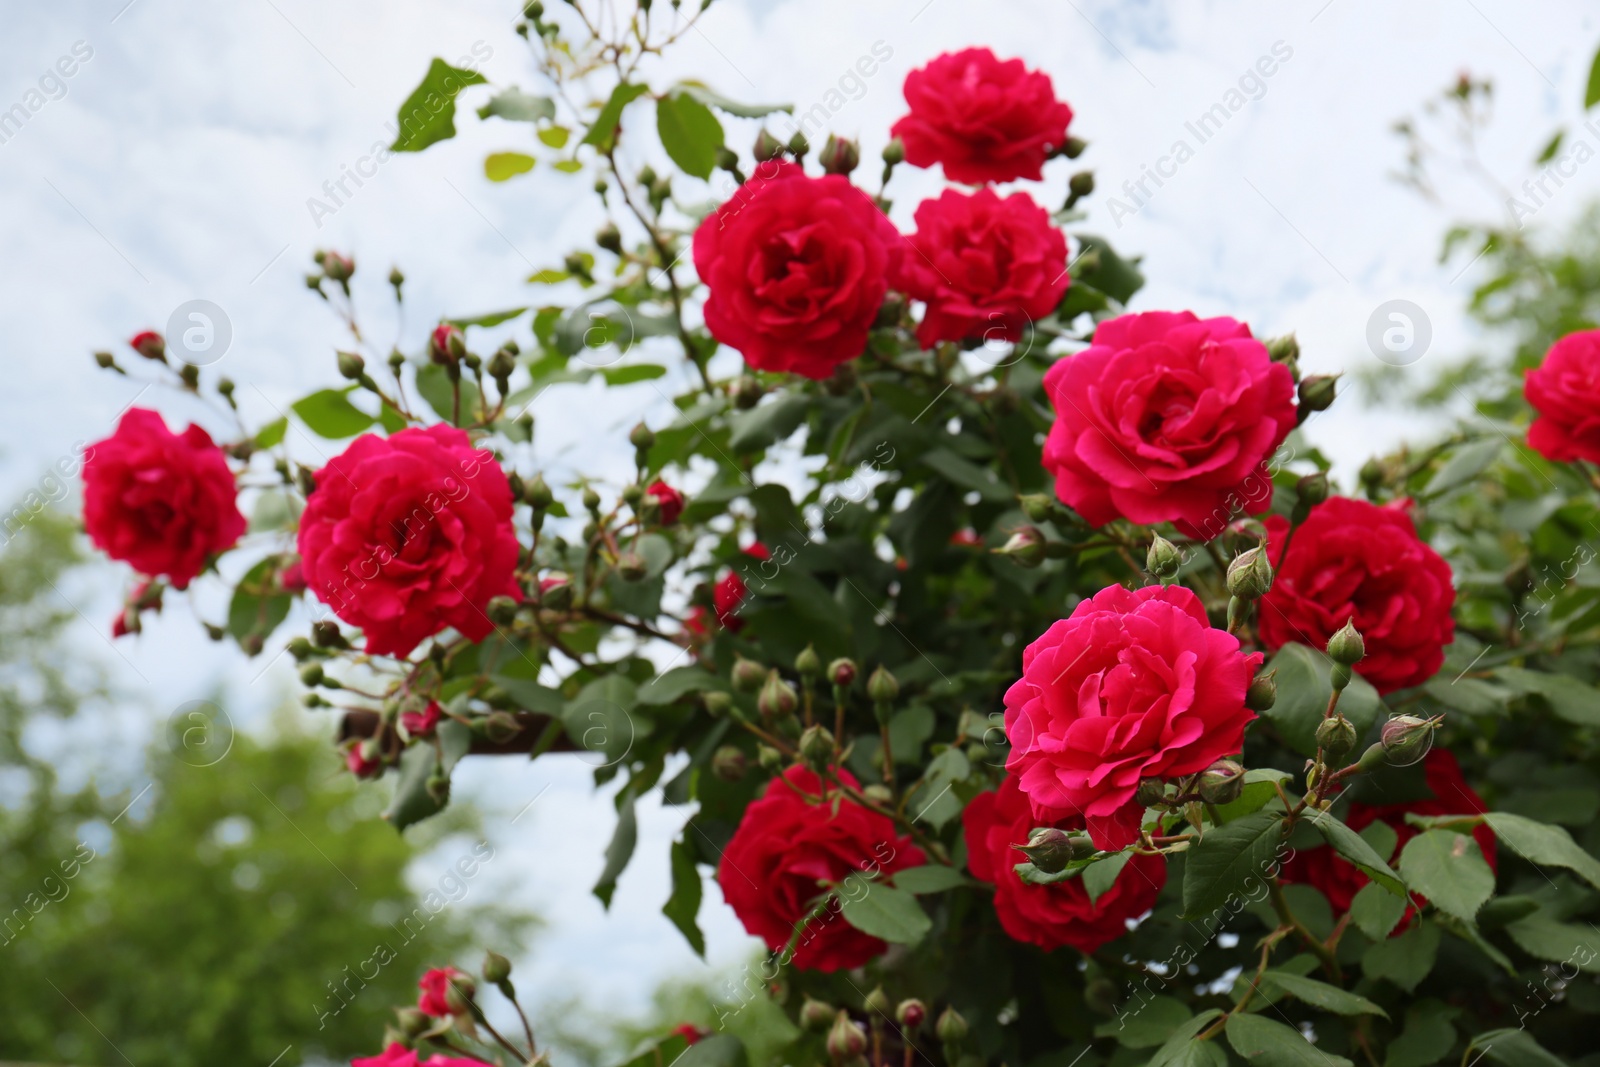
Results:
969 710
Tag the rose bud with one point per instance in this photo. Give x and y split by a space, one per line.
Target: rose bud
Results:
496 968
1051 850
748 675
1079 186
883 687
1312 489
1407 739
105 360
799 145
631 567
769 758
839 155
815 1016
1285 349
951 1027
777 699
363 759
729 764
446 345
1336 737
1346 647
149 344
894 153
501 726
1222 782
1163 559
1263 692
1100 995
911 1014
877 1004
846 1038
716 703
502 610
338 267
1037 506
1317 392
1025 547
807 664
816 747
1151 793
555 592
842 672
536 491
748 393
411 1022
1250 574
767 147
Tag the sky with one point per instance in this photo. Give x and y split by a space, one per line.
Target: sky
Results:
177 162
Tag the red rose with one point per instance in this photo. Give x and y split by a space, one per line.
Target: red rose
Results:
988 267
359 763
728 595
445 342
1168 417
1355 560
436 986
422 723
1050 916
1339 880
1134 684
984 119
406 535
1565 391
786 844
161 501
149 344
689 1032
797 268
670 499
397 1055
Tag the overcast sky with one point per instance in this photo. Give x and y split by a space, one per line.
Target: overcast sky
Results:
177 160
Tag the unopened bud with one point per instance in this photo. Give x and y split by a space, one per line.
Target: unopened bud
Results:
1051 850
769 758
1025 547
642 437
911 1014
1406 739
748 675
717 704
446 345
729 763
609 238
502 610
299 647
1100 995
555 592
877 1004
536 491
1250 574
338 267
1073 147
839 155
1285 349
150 345
1317 391
815 1016
808 664
747 394
777 699
1312 489
816 747
496 968
894 153
458 991
1336 736
502 364
767 147
501 726
846 1038
1222 782
105 359
951 1027
842 672
1263 692
396 279
1037 506
412 1022
311 674
1163 560
798 145
1151 792
325 634
883 687
1347 646
1372 475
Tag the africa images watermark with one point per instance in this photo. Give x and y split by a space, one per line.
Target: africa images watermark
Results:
337 188
1251 86
52 86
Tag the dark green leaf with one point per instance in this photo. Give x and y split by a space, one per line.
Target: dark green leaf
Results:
1406 958
1558 942
929 878
1146 1023
1108 272
1375 910
1515 1048
1465 464
1177 1052
257 606
620 851
683 905
883 911
1569 698
1548 846
328 413
1551 147
689 132
718 1050
412 802
768 423
967 475
517 106
637 372
493 318
1271 1043
1100 876
436 388
1229 860
429 113
1449 869
1303 688
1427 1038
1321 994
1353 847
678 683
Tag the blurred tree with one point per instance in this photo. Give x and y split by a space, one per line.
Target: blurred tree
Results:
250 908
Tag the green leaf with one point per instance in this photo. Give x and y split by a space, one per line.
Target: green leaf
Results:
637 372
1570 698
676 684
722 103
1353 847
1427 1038
935 802
530 695
929 878
603 132
436 388
428 115
683 905
412 802
492 318
554 136
1106 271
1269 1042
548 276
257 607
1376 911
328 413
966 474
883 911
1559 942
500 166
1147 1023
1515 1048
689 132
718 1050
1227 859
1100 876
1322 995
272 433
1303 688
514 105
568 166
620 851
1406 958
600 718
1259 790
1591 95
1449 869
1178 1050
1465 464
1548 846
766 424
1551 147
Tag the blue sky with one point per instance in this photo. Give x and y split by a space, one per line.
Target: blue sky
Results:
177 161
